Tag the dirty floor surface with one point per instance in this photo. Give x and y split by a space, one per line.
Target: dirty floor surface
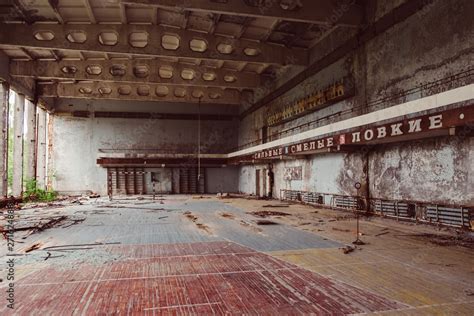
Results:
185 255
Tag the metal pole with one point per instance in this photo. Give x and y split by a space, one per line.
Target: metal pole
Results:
357 241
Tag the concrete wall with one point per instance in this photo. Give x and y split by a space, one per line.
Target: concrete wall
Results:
222 180
76 141
435 43
439 170
330 173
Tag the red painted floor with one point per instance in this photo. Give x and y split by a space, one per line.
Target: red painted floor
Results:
198 278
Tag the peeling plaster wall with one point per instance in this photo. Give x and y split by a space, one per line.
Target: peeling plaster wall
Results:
330 173
441 169
433 44
76 143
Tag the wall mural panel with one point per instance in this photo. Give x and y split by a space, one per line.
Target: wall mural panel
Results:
293 173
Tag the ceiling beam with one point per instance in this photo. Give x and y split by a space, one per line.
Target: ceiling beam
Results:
123 13
77 70
90 12
307 11
55 8
267 53
141 92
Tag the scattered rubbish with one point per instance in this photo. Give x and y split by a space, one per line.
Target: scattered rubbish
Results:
227 215
194 219
347 249
264 214
341 230
460 239
70 249
250 226
36 227
82 245
94 195
74 222
223 195
198 197
10 201
276 205
190 216
162 217
112 206
51 223
265 222
203 227
315 212
49 256
33 247
469 292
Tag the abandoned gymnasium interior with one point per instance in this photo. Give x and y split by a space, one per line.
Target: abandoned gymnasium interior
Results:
237 157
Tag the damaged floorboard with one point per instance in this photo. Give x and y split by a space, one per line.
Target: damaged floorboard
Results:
204 278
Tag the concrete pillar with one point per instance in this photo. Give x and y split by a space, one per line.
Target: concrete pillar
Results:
41 149
18 121
30 141
4 92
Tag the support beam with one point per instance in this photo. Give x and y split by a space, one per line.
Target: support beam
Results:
41 149
54 7
4 92
54 36
90 12
306 11
30 141
141 92
18 121
133 72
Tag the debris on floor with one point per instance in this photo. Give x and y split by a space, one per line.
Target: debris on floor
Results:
33 247
341 230
250 226
276 205
227 215
469 292
199 197
265 222
461 239
264 214
347 249
194 219
35 224
190 216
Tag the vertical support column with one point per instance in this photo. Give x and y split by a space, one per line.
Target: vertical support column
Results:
18 121
4 92
49 155
41 149
30 141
